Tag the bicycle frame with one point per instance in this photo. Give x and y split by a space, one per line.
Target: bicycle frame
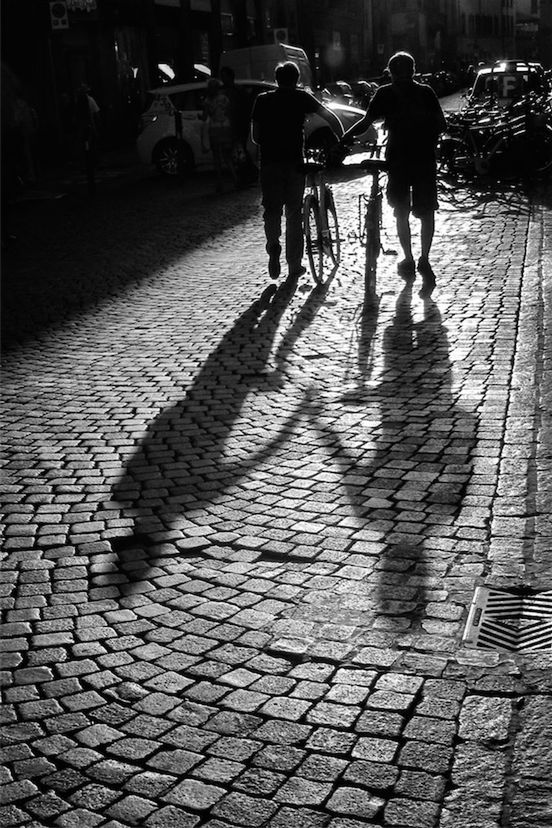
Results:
371 231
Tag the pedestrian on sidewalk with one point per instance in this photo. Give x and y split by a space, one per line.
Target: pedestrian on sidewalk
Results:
278 120
87 130
414 120
240 115
217 133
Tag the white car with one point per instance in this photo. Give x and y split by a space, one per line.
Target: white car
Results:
506 81
157 142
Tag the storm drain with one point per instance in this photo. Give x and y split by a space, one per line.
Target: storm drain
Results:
518 621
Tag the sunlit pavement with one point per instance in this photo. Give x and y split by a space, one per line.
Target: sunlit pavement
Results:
243 535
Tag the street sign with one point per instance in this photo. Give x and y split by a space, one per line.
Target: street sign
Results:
58 16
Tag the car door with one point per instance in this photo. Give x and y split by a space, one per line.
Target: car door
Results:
189 104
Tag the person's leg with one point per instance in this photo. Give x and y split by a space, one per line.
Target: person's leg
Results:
227 153
273 203
427 232
424 204
402 218
295 188
398 196
217 163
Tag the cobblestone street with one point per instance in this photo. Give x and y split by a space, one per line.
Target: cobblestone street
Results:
242 534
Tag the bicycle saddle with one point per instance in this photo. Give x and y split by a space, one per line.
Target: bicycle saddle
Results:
374 165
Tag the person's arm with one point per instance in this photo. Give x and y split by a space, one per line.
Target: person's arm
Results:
356 129
438 116
331 119
442 121
373 113
255 125
255 132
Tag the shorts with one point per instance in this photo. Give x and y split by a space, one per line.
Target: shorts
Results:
413 187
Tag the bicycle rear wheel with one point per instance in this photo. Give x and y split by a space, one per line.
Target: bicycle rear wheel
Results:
332 240
313 237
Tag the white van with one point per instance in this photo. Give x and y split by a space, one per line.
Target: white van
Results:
259 62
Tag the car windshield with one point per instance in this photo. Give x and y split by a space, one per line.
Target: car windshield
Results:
507 85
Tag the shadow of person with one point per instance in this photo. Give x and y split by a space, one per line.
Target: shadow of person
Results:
423 463
196 450
404 471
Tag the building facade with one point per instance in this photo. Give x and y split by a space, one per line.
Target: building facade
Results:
122 48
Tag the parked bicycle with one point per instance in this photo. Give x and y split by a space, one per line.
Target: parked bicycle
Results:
503 143
320 223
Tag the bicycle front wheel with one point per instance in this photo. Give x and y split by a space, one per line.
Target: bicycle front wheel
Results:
373 244
313 237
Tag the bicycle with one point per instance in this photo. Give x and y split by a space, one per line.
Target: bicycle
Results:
320 224
507 144
370 210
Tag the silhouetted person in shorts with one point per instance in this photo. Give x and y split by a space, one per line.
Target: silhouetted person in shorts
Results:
414 120
278 120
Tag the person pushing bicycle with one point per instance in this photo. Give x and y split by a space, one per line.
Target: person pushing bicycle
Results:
414 120
277 126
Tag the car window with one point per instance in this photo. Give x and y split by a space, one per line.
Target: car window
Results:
189 100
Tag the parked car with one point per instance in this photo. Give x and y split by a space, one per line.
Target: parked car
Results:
363 92
157 142
505 81
338 92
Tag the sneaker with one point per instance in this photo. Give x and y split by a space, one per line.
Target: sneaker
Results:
274 265
428 278
274 261
295 272
424 268
406 269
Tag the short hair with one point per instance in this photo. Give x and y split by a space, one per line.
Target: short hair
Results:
287 74
213 85
401 65
227 71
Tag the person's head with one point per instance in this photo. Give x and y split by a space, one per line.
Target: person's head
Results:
401 66
287 74
227 75
213 86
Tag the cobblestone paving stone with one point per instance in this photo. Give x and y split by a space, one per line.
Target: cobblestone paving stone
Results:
242 535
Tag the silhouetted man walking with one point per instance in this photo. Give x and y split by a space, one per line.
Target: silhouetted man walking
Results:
414 120
278 120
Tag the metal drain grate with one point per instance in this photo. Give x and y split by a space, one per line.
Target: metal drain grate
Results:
509 620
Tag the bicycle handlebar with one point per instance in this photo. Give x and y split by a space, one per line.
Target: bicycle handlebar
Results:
312 167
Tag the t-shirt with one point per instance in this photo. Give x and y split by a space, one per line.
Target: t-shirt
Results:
217 109
280 115
413 118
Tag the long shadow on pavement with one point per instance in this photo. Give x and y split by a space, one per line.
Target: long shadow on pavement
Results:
410 487
184 463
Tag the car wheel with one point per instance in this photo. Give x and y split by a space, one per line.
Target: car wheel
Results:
326 141
172 158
